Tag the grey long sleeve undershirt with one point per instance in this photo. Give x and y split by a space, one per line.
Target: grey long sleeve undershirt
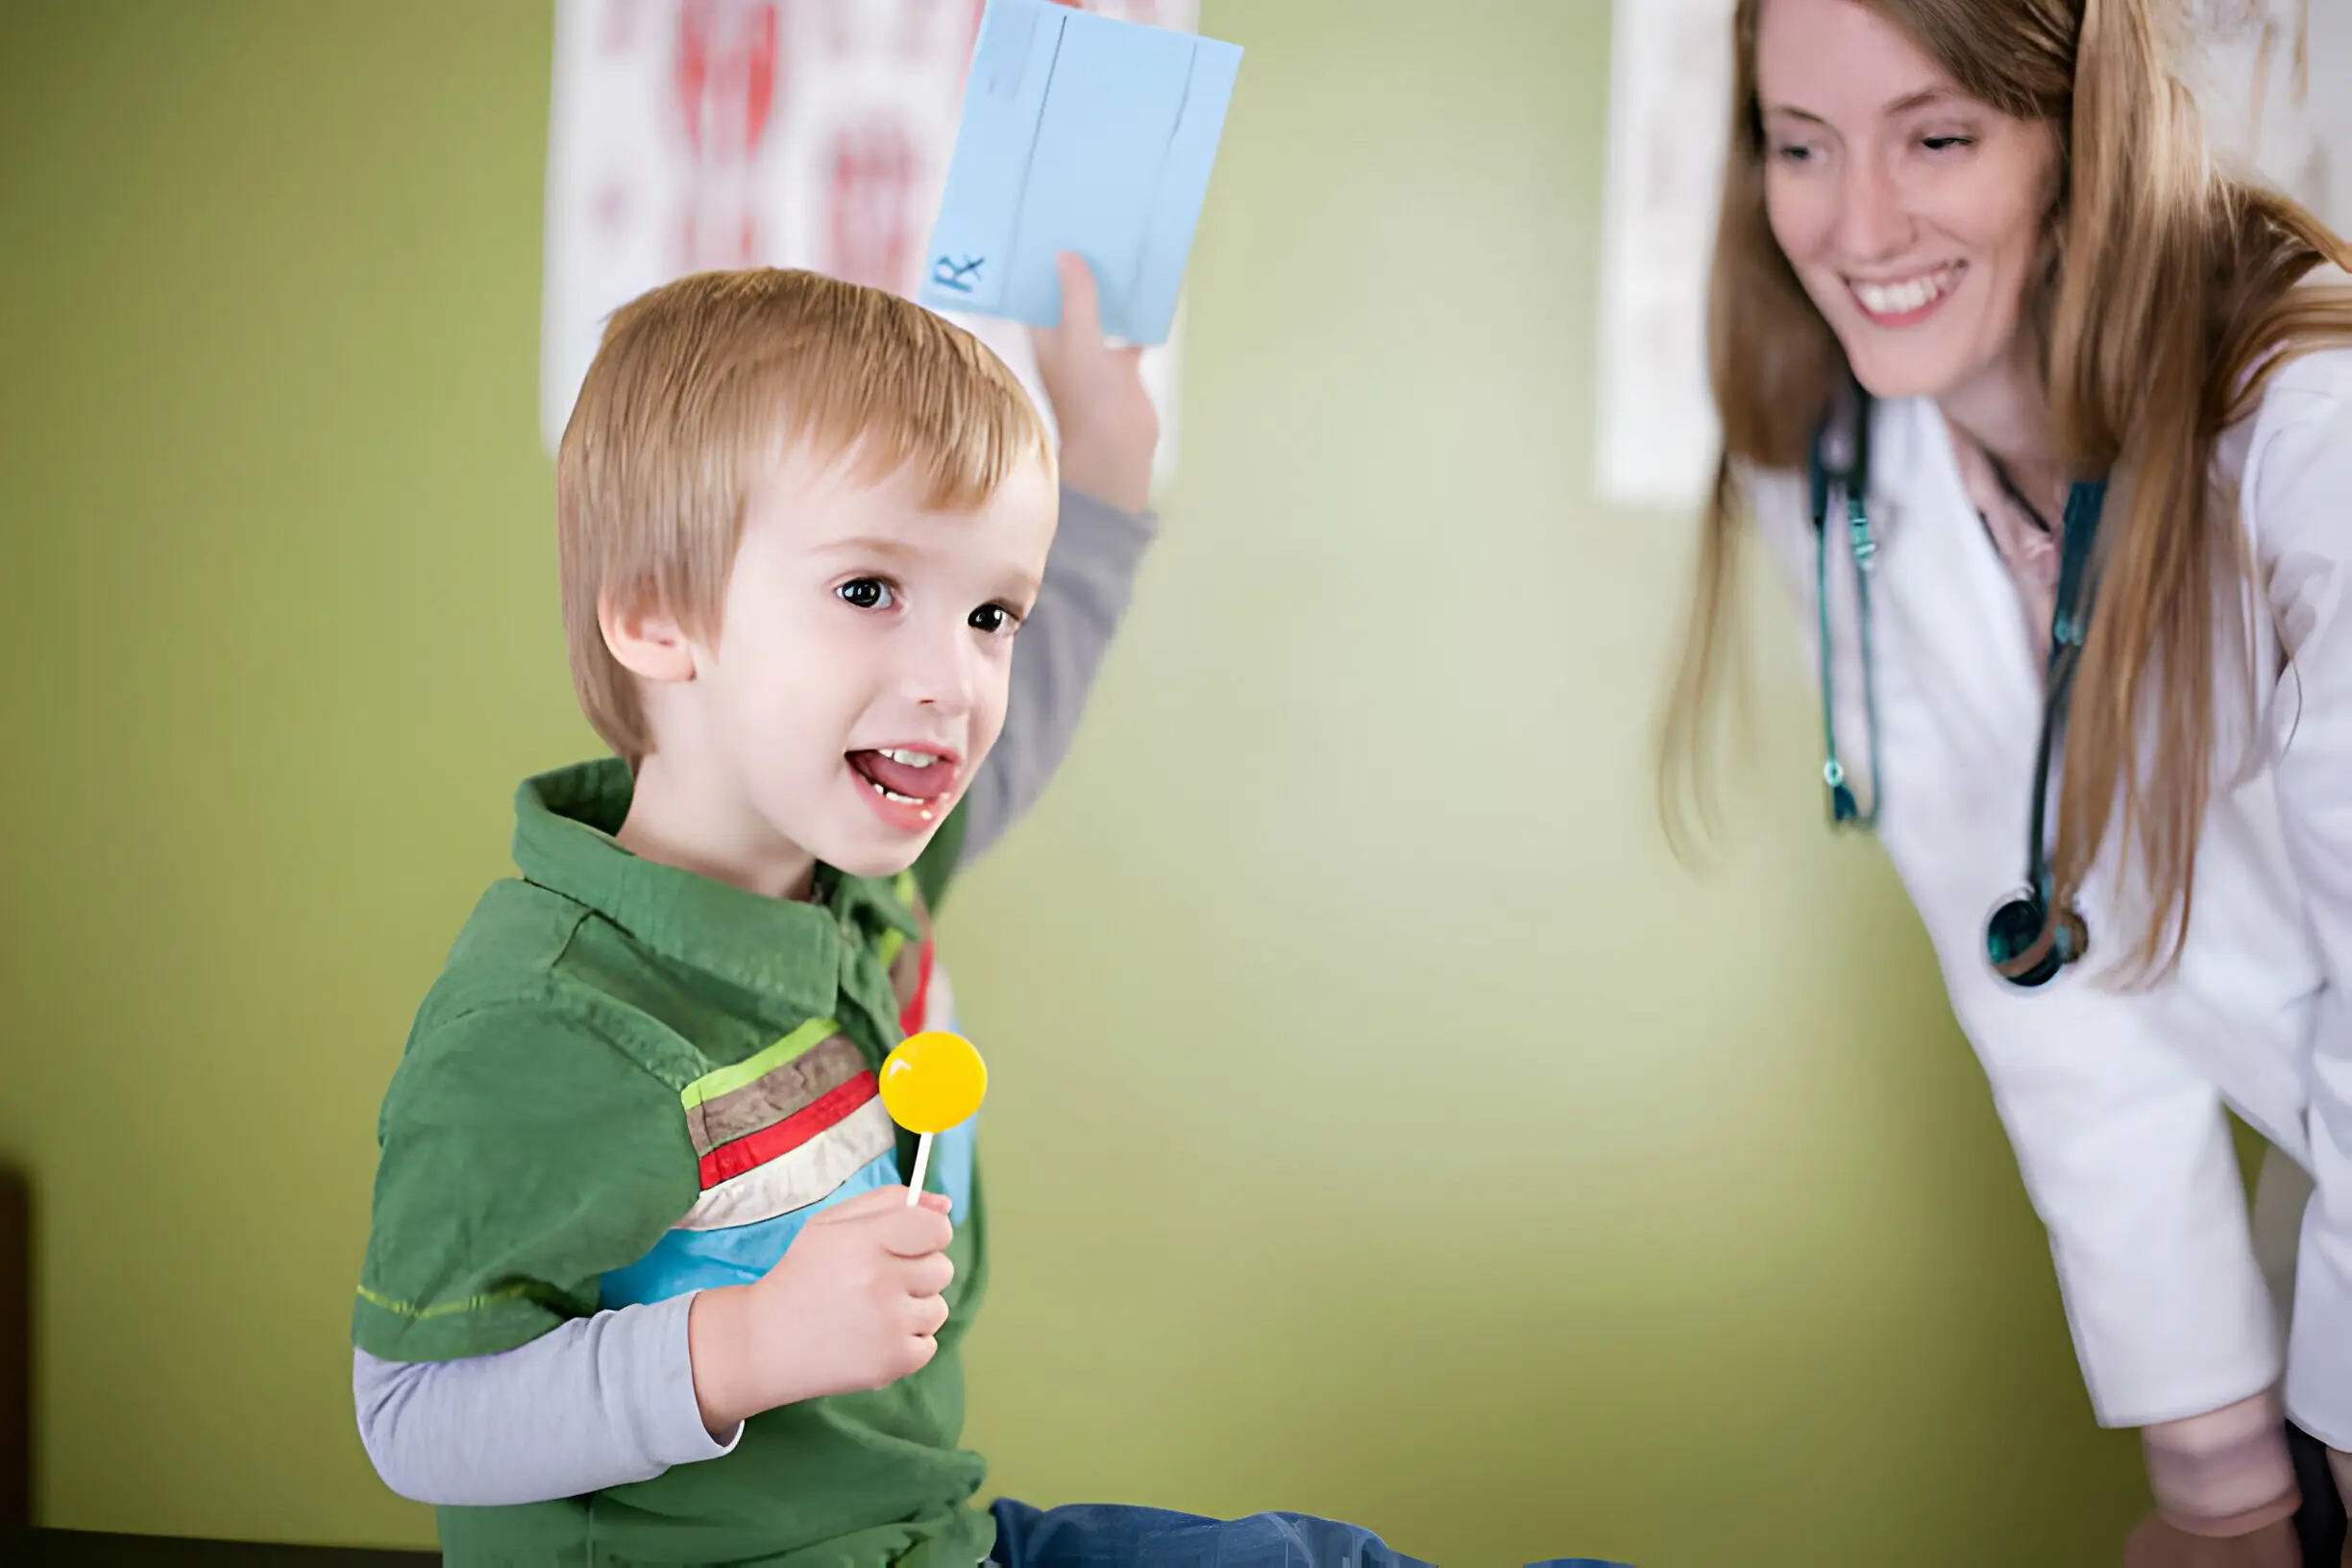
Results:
607 1400
594 1403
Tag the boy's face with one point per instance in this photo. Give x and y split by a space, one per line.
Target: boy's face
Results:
861 673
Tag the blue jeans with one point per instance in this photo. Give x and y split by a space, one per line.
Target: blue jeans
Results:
1108 1536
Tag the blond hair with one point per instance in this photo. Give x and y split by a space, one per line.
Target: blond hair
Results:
2163 289
697 389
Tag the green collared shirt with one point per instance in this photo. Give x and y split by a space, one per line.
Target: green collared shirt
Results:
537 1146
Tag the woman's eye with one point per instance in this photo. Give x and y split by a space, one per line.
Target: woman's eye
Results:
867 594
1945 144
1793 153
991 618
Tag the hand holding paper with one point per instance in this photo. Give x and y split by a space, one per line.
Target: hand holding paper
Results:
1109 426
1084 134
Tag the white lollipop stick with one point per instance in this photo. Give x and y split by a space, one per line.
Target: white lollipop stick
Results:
922 1160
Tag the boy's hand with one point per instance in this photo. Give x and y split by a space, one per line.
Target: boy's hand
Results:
853 1303
1109 426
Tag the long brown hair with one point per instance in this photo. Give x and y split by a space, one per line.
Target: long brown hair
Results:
2165 284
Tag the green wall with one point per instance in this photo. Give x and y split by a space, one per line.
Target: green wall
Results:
1384 1125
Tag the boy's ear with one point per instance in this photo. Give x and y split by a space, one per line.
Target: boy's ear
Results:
648 643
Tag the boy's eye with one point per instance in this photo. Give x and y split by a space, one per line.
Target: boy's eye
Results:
991 618
867 594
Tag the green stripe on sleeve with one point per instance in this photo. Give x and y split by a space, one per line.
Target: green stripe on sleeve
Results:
441 1309
726 1080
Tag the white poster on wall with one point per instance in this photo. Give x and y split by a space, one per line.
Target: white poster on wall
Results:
2261 73
1670 91
2261 68
690 134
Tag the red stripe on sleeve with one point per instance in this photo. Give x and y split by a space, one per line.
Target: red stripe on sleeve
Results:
755 1149
911 1016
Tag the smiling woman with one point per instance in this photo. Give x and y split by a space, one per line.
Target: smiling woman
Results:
1952 262
1978 282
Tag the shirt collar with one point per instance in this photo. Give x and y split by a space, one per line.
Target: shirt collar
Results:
804 954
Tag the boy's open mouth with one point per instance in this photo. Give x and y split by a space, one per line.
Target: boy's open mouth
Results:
906 776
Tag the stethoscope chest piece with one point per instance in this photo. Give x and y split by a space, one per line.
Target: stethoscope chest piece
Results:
2027 947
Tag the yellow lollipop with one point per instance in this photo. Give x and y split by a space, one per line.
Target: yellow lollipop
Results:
932 1081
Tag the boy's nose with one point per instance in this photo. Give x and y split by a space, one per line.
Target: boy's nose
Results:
943 670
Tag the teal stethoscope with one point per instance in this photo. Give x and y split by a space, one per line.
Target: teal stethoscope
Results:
2024 945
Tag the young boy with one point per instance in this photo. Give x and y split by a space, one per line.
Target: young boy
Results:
643 1284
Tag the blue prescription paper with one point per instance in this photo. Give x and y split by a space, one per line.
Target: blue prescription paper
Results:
1080 132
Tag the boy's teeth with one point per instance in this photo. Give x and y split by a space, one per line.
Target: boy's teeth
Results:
911 759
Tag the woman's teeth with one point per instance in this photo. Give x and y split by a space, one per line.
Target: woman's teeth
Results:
1901 299
911 759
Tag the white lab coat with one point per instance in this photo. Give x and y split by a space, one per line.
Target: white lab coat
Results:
2112 1098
